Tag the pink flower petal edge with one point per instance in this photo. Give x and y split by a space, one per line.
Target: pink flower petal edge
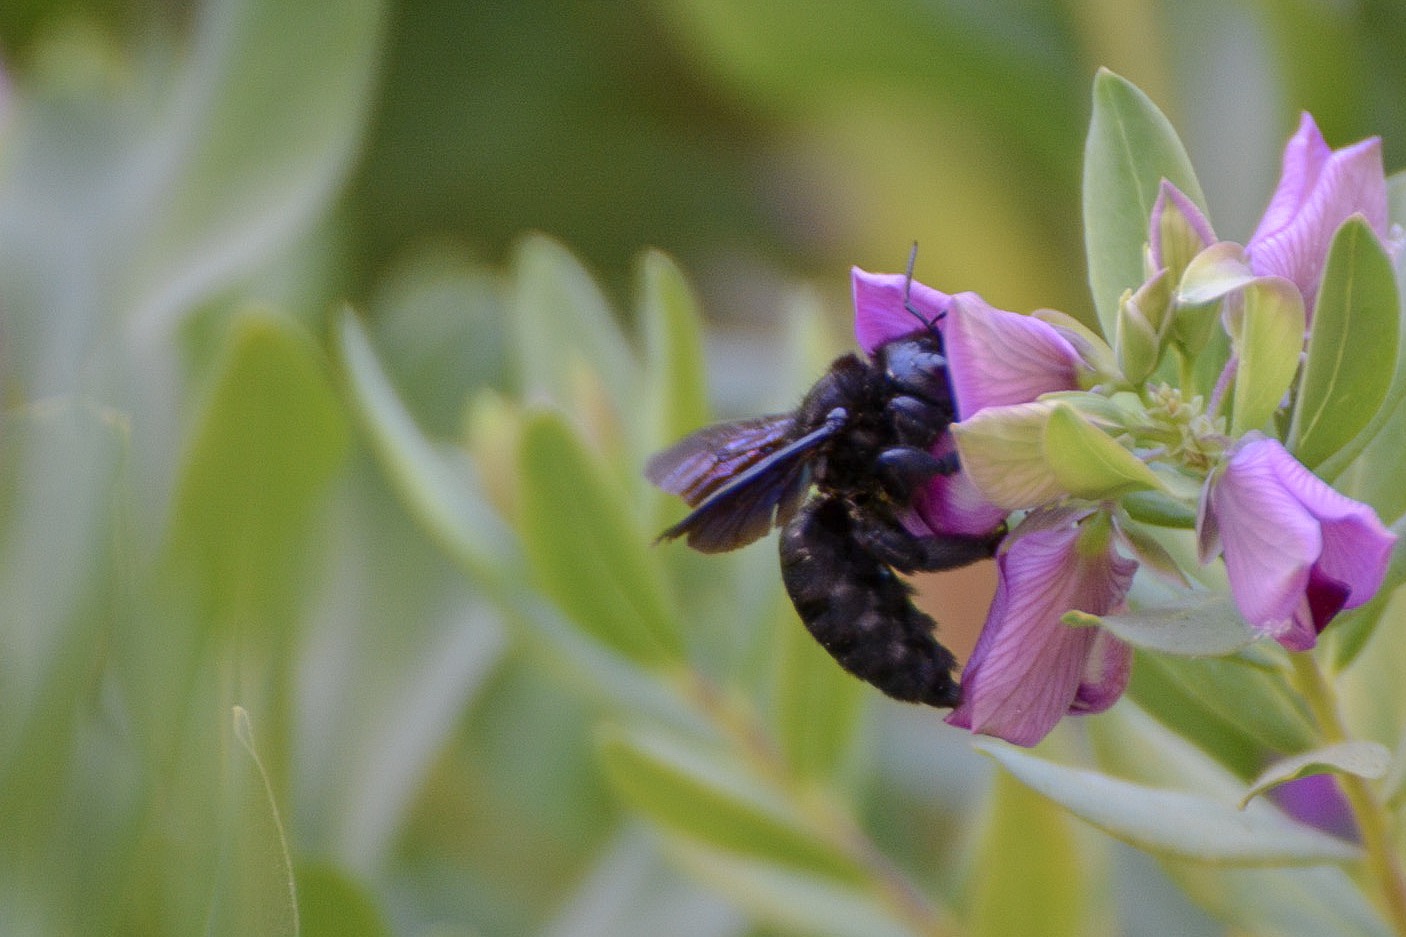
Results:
998 358
1296 551
879 313
1319 188
1029 669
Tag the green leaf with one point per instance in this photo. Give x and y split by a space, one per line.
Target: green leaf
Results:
269 439
564 327
437 485
264 124
1087 462
255 895
677 387
1173 822
1302 902
796 902
1268 335
331 904
817 705
1205 624
707 796
1032 876
1364 759
1254 697
1352 347
589 555
1131 148
1158 687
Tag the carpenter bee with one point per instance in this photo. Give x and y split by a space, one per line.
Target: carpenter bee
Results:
836 474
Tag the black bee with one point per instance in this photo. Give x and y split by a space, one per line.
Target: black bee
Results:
862 439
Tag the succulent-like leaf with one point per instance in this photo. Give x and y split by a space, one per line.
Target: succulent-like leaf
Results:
1174 822
1131 148
1352 347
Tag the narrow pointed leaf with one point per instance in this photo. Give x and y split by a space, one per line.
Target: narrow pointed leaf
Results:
1352 348
564 324
677 395
588 553
1033 878
1269 338
1361 758
1264 708
1131 148
795 901
1173 822
707 796
1205 624
1290 901
437 485
817 705
272 434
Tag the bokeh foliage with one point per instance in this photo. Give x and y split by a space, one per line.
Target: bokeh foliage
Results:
410 542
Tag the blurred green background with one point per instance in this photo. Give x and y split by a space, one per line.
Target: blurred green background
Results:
195 515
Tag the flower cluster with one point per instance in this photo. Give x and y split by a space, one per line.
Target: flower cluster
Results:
1095 452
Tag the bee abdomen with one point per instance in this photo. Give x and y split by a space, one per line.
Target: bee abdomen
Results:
860 611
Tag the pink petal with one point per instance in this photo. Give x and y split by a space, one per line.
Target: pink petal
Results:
951 504
1028 667
998 358
1269 540
1304 156
1356 546
879 313
1318 191
1105 676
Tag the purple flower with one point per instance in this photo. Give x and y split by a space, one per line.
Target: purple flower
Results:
1029 669
1296 551
1319 189
1318 801
879 313
999 358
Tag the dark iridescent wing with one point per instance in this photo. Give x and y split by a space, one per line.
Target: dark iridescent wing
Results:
749 504
702 462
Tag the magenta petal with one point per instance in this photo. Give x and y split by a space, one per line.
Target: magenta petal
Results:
1028 667
1356 546
1304 156
1105 676
951 504
1318 190
1268 539
998 358
879 313
1296 551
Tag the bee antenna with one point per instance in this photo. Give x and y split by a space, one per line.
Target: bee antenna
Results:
930 325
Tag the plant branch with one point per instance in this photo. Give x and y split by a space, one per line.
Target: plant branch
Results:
1373 820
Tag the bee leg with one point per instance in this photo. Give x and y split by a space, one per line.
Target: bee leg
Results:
891 543
917 422
859 611
902 469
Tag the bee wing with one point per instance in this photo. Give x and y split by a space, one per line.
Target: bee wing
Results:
746 506
702 462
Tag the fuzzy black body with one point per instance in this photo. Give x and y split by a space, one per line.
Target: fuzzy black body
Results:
861 439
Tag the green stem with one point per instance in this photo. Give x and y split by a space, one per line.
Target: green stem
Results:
1373 821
